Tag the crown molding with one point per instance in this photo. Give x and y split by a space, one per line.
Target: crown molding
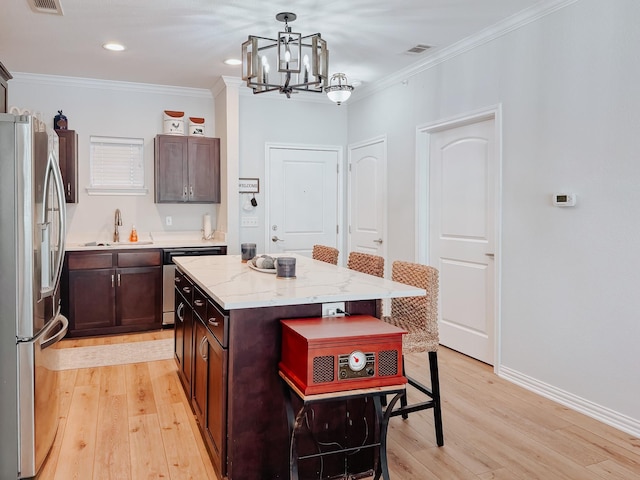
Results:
55 80
489 34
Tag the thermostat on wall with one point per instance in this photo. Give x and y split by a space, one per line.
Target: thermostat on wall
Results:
564 199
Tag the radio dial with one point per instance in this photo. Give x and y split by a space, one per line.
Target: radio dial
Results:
357 361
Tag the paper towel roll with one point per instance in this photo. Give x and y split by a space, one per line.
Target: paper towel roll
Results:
206 225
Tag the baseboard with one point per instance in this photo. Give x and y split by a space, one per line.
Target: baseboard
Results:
603 414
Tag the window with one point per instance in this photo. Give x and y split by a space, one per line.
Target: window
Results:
117 166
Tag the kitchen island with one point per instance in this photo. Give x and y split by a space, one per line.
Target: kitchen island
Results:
228 345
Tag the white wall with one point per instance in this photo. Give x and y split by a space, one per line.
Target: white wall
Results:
269 118
123 110
568 86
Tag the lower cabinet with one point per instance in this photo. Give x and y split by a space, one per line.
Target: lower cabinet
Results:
183 327
107 292
201 355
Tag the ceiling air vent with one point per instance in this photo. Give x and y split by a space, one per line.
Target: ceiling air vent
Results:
46 6
418 49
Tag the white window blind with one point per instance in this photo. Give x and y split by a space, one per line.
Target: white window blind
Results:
117 166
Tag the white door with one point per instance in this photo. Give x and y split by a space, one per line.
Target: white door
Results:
367 197
302 191
463 172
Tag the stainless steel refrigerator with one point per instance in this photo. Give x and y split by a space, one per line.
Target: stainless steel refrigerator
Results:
32 232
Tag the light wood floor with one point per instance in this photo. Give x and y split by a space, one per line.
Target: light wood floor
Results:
134 422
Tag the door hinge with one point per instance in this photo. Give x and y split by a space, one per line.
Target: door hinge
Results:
337 229
349 166
349 229
337 168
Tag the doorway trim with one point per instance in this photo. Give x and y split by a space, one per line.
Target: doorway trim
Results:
267 184
423 140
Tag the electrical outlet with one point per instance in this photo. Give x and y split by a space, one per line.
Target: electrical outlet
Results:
168 221
335 309
250 221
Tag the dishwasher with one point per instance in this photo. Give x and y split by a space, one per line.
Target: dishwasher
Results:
168 274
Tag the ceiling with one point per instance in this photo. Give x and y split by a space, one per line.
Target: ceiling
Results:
184 42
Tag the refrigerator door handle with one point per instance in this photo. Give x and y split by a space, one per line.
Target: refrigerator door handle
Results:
50 280
60 319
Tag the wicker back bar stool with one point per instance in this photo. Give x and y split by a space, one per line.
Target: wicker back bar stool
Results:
419 317
371 264
325 254
366 263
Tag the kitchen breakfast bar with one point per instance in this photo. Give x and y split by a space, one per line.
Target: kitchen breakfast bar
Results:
228 346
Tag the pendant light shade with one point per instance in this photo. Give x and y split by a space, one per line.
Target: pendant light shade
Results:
339 89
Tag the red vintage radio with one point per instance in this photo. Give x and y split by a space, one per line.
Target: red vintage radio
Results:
331 354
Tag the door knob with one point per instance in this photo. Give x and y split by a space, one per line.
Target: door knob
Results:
275 239
378 241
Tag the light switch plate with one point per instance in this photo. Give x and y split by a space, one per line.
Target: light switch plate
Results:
251 221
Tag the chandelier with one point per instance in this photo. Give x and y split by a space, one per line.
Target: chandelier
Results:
339 89
289 63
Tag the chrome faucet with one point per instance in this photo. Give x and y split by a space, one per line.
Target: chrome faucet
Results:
118 223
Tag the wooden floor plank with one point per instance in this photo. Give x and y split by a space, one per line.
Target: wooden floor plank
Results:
183 457
77 450
112 458
140 398
148 460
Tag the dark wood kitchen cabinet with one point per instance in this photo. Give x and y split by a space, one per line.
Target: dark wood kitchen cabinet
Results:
183 327
5 76
107 292
68 160
187 169
201 354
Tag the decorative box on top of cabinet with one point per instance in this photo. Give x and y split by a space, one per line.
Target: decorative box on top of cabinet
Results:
187 169
68 160
108 292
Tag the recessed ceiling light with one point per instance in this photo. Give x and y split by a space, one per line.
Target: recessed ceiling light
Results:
114 47
233 61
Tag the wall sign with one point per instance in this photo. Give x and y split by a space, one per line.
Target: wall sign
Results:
249 185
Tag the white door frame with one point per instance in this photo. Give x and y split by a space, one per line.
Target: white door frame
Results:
385 249
423 138
267 184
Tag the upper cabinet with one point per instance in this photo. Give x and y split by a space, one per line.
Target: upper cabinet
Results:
5 76
187 169
68 159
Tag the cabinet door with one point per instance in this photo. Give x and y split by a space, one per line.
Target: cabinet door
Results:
200 371
215 419
139 297
204 169
68 160
178 331
183 326
91 299
171 174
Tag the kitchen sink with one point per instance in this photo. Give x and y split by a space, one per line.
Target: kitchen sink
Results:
117 244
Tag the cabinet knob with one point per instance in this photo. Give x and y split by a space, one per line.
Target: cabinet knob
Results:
186 289
214 322
179 312
198 303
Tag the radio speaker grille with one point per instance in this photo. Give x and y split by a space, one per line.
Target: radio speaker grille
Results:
388 363
323 369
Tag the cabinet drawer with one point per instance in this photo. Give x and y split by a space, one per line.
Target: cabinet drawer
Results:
150 258
217 323
184 286
200 303
84 261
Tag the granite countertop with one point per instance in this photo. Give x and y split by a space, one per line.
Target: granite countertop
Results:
146 240
233 285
